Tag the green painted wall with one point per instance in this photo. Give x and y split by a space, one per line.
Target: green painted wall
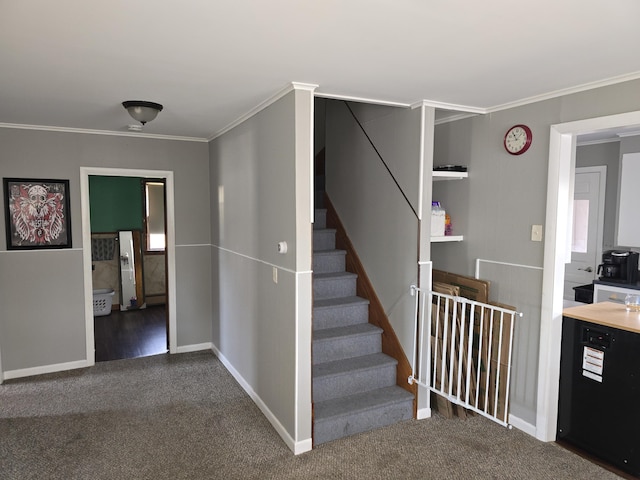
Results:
116 203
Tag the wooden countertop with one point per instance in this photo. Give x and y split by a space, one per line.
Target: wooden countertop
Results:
606 313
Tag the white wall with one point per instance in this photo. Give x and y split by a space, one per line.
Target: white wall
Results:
261 195
378 220
42 324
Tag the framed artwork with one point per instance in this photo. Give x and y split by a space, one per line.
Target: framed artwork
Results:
37 213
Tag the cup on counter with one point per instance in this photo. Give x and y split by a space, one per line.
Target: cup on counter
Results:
632 302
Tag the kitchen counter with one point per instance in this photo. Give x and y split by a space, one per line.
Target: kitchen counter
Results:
632 286
606 313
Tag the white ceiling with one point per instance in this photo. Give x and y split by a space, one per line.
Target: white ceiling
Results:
70 63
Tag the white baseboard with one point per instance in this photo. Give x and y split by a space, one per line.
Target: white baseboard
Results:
520 424
423 413
194 348
58 367
296 447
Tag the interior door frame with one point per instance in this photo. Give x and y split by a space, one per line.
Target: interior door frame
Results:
167 175
557 248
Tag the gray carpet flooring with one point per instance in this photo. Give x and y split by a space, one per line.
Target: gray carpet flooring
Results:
184 417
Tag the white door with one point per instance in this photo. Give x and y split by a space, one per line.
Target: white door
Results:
588 223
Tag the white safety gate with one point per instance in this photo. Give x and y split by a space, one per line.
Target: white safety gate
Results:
462 351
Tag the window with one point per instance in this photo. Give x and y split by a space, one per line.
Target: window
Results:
155 240
580 226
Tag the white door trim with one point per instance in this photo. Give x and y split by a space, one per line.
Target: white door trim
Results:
85 172
562 151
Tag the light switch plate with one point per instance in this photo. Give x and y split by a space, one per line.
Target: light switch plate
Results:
536 233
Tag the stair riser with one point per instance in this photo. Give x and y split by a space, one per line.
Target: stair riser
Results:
334 288
340 316
334 428
346 347
320 220
329 263
324 240
326 388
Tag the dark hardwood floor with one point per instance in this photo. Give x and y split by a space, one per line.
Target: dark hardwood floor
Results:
131 334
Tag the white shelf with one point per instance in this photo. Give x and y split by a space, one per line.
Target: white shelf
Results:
438 175
447 238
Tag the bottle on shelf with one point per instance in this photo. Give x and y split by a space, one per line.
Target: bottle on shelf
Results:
437 220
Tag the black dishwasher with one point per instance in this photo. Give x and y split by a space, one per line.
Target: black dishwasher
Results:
599 401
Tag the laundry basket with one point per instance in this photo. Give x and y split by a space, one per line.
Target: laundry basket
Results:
102 300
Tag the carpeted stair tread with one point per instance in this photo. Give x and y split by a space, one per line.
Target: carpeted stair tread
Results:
319 232
339 312
334 275
357 330
320 219
334 284
324 238
330 260
339 302
350 365
330 252
360 402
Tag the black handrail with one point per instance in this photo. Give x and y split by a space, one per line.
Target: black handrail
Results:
382 160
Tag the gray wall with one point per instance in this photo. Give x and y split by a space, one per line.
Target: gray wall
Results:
378 220
41 293
261 195
505 195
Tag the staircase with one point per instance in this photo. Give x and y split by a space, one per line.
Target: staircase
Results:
354 383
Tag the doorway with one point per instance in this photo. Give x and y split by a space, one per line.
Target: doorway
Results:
588 227
128 266
560 185
167 177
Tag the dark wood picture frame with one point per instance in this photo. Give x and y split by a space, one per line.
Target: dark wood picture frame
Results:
37 213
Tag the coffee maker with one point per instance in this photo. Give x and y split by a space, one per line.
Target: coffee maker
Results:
619 266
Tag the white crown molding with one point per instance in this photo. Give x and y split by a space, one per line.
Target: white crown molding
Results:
350 98
258 108
566 91
86 131
309 87
455 118
630 133
586 143
449 106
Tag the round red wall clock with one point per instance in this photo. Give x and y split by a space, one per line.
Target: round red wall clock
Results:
517 140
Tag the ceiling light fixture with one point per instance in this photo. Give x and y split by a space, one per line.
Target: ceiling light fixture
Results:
142 111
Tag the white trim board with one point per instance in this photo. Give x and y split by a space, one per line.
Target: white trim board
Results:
562 148
196 347
521 425
87 131
57 367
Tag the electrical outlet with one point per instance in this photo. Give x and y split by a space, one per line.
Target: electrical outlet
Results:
275 275
536 233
